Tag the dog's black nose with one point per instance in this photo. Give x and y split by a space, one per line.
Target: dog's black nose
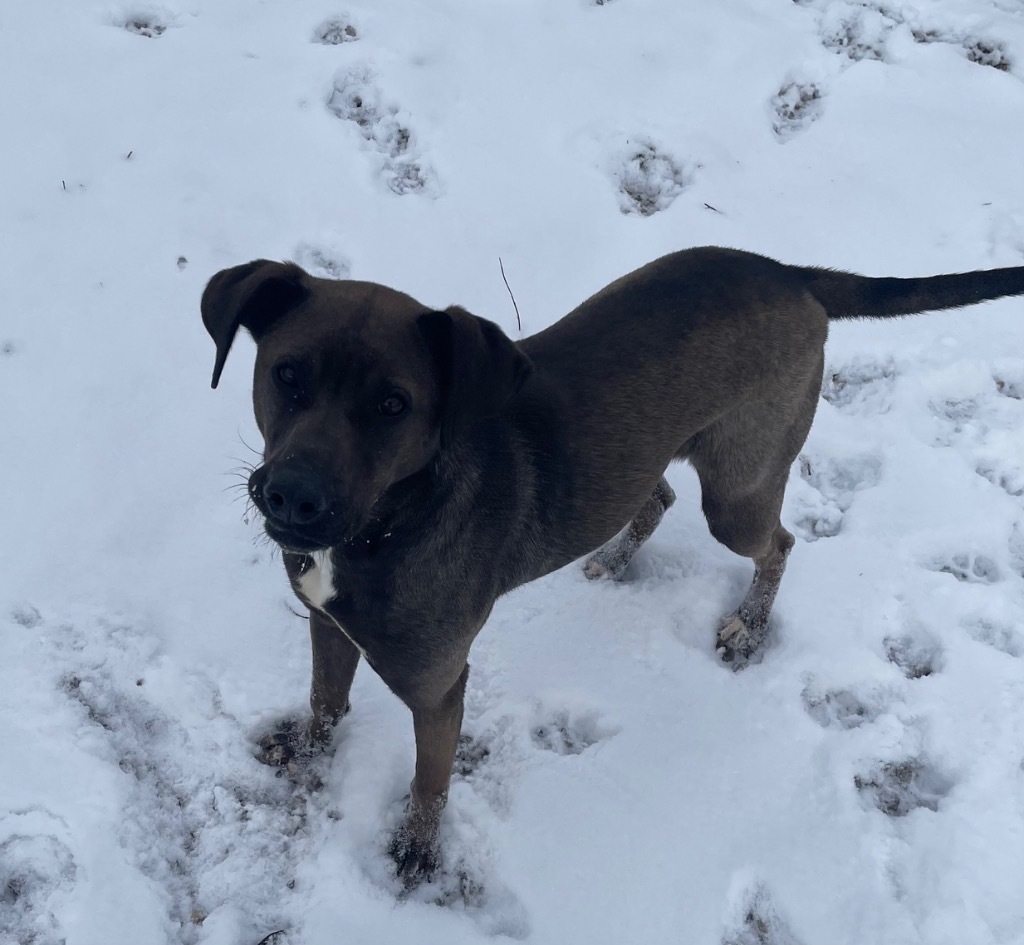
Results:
295 496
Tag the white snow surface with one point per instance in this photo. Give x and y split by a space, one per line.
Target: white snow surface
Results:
862 785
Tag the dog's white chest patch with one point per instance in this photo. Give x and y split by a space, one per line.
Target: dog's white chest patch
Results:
317 584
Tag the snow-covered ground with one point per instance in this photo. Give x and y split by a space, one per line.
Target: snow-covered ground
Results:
863 785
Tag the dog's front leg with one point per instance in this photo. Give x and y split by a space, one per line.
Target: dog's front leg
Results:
335 658
414 846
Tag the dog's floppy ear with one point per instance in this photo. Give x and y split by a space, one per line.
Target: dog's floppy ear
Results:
478 365
253 296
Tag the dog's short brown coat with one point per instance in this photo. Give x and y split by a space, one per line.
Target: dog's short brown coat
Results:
419 464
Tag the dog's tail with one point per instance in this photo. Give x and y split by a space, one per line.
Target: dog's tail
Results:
847 295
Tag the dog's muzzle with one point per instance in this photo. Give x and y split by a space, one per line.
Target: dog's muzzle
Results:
297 506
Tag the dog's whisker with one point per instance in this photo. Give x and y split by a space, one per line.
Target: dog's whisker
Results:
251 449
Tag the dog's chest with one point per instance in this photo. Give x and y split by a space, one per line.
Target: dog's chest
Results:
319 583
316 584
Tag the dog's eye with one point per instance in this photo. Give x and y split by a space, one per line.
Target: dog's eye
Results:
286 375
392 405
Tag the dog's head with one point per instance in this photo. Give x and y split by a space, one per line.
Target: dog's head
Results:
357 387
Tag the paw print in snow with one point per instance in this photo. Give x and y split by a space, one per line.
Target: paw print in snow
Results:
27 616
916 655
33 867
335 31
839 708
470 754
567 734
649 179
898 787
355 98
795 107
322 261
858 34
860 386
1009 381
145 23
958 415
984 51
836 482
759 922
1000 636
969 568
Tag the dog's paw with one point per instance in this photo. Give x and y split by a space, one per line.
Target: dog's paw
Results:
740 640
295 743
608 564
415 859
414 847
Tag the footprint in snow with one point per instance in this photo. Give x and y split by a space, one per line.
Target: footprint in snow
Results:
648 177
897 788
323 261
355 98
1010 381
916 655
1001 636
999 468
861 386
195 812
966 567
146 23
957 416
567 733
34 868
795 107
27 616
835 481
757 921
335 31
983 50
840 708
862 32
488 762
471 754
984 424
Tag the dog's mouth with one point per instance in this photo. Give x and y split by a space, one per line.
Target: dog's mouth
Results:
330 528
296 537
295 542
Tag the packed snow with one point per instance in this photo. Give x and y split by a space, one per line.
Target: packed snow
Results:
862 785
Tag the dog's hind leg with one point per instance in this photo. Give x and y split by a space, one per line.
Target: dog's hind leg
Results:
611 560
743 463
749 525
743 633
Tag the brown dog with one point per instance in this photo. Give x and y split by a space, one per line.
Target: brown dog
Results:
418 464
